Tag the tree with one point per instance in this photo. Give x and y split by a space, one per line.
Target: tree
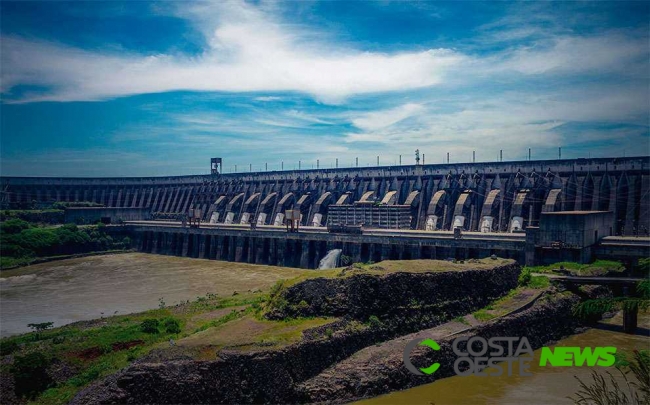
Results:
40 327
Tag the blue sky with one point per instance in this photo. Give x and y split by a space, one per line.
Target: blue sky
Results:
140 88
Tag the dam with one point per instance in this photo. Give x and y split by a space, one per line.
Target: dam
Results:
416 211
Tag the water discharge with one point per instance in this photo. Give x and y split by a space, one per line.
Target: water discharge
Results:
331 260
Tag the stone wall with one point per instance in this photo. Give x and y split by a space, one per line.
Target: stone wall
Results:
363 295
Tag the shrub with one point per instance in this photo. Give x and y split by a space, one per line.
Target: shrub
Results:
8 347
172 325
14 226
524 277
30 374
150 326
374 322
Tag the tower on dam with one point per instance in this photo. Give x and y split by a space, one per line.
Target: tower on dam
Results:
477 197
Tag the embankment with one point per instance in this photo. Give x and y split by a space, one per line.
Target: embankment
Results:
321 367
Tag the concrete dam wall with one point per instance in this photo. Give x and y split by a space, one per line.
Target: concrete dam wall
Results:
482 197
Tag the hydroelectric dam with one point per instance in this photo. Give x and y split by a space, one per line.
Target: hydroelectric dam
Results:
533 211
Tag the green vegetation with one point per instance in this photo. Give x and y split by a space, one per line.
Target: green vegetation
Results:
461 319
374 322
597 268
526 279
606 390
61 205
594 308
23 242
509 302
46 217
99 348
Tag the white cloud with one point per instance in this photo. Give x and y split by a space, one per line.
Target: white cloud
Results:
248 52
375 120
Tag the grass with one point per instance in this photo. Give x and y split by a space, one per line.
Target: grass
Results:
597 268
462 320
98 348
424 266
508 303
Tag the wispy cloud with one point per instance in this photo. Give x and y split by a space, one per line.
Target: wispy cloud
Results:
248 51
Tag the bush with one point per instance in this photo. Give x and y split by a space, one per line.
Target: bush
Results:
30 374
374 322
8 347
150 326
524 277
172 326
14 226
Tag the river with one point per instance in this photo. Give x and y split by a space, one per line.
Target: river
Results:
547 385
86 288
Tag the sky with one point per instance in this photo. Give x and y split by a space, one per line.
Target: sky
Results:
140 88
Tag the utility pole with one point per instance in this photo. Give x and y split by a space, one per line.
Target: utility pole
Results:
299 165
473 156
266 166
423 159
250 167
337 163
283 165
400 160
529 154
377 160
357 164
559 153
447 157
501 155
317 163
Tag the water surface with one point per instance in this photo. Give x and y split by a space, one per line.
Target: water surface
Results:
91 287
547 385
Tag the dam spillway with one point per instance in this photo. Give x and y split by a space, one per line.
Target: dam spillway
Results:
475 197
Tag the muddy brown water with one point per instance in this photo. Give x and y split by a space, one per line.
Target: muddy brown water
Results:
86 288
547 385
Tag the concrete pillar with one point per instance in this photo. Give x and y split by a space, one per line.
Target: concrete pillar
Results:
252 250
630 222
595 201
281 245
218 247
259 250
235 249
185 240
416 251
156 238
273 252
154 207
385 251
212 254
202 240
644 211
630 316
